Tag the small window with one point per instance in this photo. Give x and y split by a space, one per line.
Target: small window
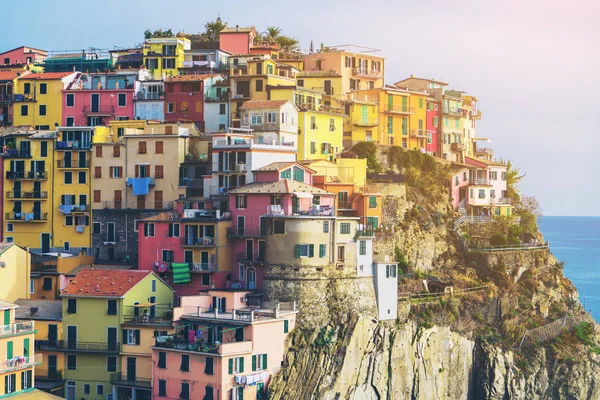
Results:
42 110
43 88
162 388
131 337
185 363
209 364
111 307
482 193
47 285
170 108
236 365
259 362
372 201
153 285
257 119
345 228
67 246
279 227
69 220
341 255
122 100
240 201
148 229
82 177
71 306
158 147
222 109
162 359
363 247
174 229
10 227
70 100
24 110
71 362
325 226
31 286
100 390
259 85
322 250
68 177
111 364
96 228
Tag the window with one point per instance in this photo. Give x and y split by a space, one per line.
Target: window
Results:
122 102
170 108
240 201
24 110
100 390
116 172
404 143
236 364
457 123
373 222
185 363
82 175
31 286
174 229
158 147
148 229
493 175
259 362
209 365
86 388
222 109
313 123
305 250
316 200
503 175
47 285
492 193
390 271
325 226
271 118
167 256
279 227
68 177
435 122
42 110
111 364
70 100
345 228
446 121
420 103
162 387
185 391
341 253
456 183
96 228
71 306
43 88
10 227
9 239
71 362
168 63
372 201
208 393
26 379
482 193
313 148
159 172
111 308
259 85
363 248
66 246
322 250
153 286
256 119
10 383
470 193
162 359
131 337
142 147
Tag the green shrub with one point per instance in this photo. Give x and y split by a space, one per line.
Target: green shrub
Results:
401 260
498 240
368 150
584 332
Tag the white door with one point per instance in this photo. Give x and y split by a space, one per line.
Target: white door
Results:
251 278
70 390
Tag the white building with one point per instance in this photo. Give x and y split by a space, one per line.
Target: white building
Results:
386 290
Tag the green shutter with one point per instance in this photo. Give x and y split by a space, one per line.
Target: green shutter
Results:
404 126
311 250
264 361
26 347
9 350
373 202
297 251
390 125
241 364
240 394
231 366
253 363
6 317
321 252
181 272
364 114
404 103
286 329
420 103
390 102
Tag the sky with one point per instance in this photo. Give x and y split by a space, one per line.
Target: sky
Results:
533 64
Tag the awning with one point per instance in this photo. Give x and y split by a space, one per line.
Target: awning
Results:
181 273
303 195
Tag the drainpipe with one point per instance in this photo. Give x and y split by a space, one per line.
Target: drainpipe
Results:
305 130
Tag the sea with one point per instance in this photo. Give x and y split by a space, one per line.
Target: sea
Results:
576 241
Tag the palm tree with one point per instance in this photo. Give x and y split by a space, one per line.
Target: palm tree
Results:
273 32
213 30
513 178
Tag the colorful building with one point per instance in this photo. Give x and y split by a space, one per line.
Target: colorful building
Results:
184 98
205 61
487 195
14 275
47 315
38 99
23 55
329 83
237 40
165 56
216 106
149 97
16 353
223 349
94 347
7 89
49 273
361 122
433 127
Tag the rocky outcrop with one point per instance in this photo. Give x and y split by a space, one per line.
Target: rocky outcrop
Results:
365 359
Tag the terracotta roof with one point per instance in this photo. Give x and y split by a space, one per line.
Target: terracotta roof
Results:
104 283
46 75
260 104
79 268
284 186
191 77
8 75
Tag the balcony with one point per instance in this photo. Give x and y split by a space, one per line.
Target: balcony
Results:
345 205
149 96
87 347
48 344
99 110
419 133
184 344
25 97
454 112
26 175
144 320
501 201
26 195
232 168
197 241
240 96
17 153
371 120
213 97
72 164
73 145
191 182
18 363
67 209
457 146
484 151
367 73
7 98
479 182
201 267
249 258
397 109
316 211
17 329
130 381
136 205
251 143
49 374
243 232
26 217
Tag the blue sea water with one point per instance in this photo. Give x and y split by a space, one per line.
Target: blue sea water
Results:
576 241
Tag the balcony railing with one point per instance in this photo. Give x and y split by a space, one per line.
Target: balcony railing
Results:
73 164
146 320
17 153
48 344
18 328
73 145
398 108
198 241
49 374
201 267
319 211
344 205
457 146
26 217
136 205
249 258
149 96
183 344
90 110
240 142
7 98
19 362
369 121
479 181
90 347
484 151
240 231
455 112
501 201
419 133
25 97
13 194
130 381
24 175
367 73
67 209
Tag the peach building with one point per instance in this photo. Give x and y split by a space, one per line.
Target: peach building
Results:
227 346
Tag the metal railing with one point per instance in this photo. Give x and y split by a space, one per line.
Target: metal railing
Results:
479 181
506 201
457 146
146 320
368 73
26 217
183 344
398 108
344 205
73 163
198 241
20 327
22 175
73 145
484 151
48 344
73 208
17 153
24 97
49 374
235 142
13 194
98 109
131 381
322 211
136 205
92 347
243 257
149 96
372 120
18 362
456 112
201 267
7 98
240 231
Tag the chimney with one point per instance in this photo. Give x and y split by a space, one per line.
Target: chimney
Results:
237 28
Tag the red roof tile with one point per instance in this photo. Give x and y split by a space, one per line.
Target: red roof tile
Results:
258 104
8 75
104 283
47 75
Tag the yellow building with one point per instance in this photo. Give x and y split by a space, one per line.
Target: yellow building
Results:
47 315
39 100
252 77
14 274
16 352
29 162
48 273
320 133
361 122
327 82
103 311
164 56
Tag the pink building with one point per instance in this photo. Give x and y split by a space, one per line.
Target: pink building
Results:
433 124
459 186
22 55
96 98
184 98
280 188
237 40
228 347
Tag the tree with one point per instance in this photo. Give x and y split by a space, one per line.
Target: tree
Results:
287 44
368 150
148 34
273 32
513 178
213 29
529 204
